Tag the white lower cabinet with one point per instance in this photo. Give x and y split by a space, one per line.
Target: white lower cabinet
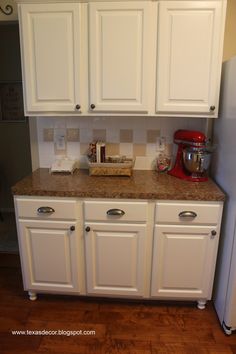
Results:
51 250
116 248
184 251
182 261
50 255
124 248
115 259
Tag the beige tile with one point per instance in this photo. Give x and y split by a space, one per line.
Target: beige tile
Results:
83 148
72 134
139 149
112 149
152 136
99 134
126 149
126 135
48 134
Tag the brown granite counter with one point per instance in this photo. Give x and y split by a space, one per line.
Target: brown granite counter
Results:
141 185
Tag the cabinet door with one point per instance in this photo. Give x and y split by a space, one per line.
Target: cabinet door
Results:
119 38
115 259
183 262
50 44
189 56
49 256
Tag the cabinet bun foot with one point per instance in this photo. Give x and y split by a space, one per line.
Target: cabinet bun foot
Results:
32 296
201 304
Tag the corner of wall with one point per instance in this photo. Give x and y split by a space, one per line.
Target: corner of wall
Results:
34 143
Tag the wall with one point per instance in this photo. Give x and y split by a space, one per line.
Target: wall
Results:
13 16
130 136
14 137
230 31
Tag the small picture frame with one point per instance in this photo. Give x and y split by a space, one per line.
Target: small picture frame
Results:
11 102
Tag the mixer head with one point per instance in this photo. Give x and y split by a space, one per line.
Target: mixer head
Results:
191 137
185 139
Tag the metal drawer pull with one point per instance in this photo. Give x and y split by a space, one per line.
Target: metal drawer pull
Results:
187 214
118 212
45 210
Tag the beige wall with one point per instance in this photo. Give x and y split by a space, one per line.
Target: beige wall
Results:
230 31
13 16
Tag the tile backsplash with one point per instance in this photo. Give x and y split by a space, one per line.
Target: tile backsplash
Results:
130 136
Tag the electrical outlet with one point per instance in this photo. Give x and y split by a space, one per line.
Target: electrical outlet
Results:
160 143
60 141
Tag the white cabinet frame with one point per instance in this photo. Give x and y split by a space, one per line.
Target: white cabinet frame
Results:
189 57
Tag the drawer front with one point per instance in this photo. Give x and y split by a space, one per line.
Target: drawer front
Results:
46 208
188 213
115 211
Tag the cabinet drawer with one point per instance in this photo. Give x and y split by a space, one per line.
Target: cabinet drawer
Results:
190 213
61 209
109 211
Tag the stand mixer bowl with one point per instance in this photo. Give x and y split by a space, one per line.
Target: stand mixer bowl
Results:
196 160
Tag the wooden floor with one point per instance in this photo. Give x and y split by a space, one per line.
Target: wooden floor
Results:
120 327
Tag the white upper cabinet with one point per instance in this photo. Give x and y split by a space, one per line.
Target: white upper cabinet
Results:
148 57
50 44
119 53
189 57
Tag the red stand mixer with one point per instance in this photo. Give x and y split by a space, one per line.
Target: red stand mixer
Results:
193 157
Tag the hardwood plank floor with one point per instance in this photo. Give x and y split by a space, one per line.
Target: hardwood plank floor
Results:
120 326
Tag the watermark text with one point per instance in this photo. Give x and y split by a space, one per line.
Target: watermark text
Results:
58 332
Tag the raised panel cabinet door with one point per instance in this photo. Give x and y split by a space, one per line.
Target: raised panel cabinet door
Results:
115 259
189 56
119 38
50 44
49 255
183 261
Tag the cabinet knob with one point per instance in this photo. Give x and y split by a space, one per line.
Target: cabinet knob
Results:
87 229
213 233
212 108
72 228
92 106
77 107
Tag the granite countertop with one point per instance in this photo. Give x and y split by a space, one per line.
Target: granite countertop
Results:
141 185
